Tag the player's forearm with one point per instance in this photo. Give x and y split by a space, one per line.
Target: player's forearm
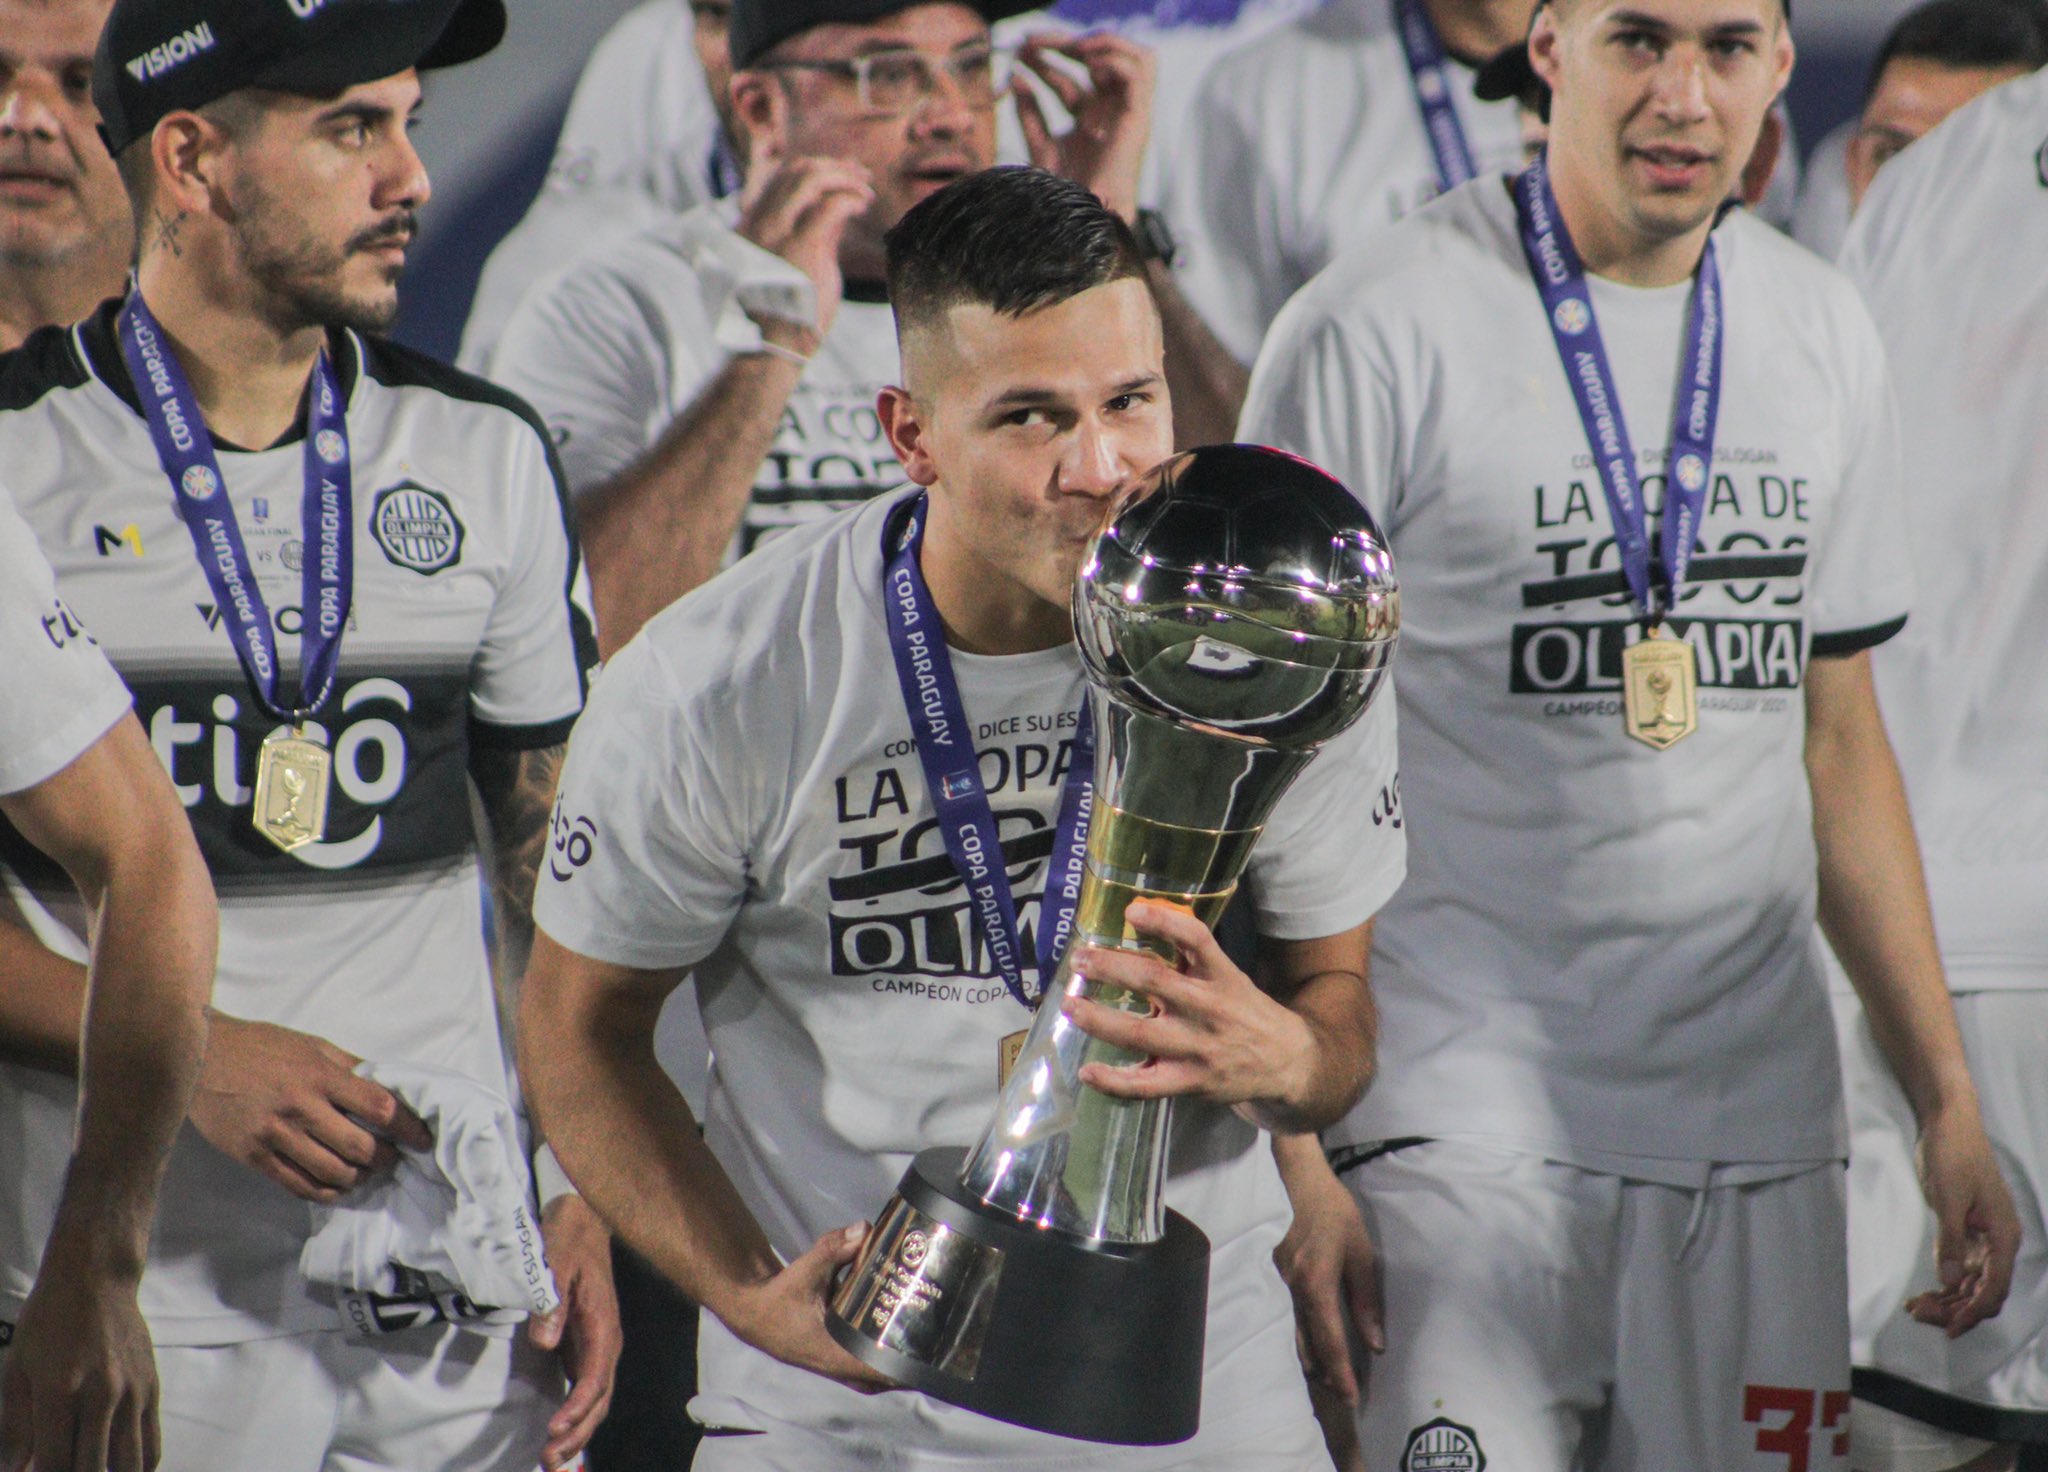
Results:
627 1138
145 1030
661 526
1336 1062
1873 893
1208 384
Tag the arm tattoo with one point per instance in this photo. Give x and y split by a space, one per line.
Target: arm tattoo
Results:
517 790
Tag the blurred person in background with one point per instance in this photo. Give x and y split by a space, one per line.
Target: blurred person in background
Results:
713 382
1950 250
1323 133
1936 58
65 230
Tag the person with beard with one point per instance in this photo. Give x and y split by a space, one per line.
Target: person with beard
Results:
712 382
336 578
65 232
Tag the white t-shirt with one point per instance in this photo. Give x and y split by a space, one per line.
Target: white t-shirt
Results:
1187 36
58 694
755 810
642 114
1603 952
462 634
642 142
1951 251
1301 144
612 350
1822 218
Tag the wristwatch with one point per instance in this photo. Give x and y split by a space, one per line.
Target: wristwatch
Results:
1155 239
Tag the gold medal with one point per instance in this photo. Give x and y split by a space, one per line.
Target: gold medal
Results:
292 774
1007 1053
1660 689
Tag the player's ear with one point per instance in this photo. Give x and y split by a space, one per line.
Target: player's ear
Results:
1543 45
762 107
185 149
903 422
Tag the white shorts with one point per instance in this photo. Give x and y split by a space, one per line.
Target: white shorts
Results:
2002 1362
421 1400
1542 1318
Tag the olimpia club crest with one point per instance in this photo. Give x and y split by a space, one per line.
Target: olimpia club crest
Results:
1443 1446
417 528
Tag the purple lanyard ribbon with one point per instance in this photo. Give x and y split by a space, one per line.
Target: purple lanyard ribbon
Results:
1561 280
1429 72
185 450
952 772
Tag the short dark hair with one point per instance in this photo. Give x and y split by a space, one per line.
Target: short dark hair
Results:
1012 239
1967 34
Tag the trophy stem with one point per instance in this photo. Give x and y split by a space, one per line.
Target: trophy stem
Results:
1058 1153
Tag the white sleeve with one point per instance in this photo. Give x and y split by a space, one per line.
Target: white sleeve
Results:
1334 851
1219 200
1860 575
584 348
527 680
58 694
1320 394
646 863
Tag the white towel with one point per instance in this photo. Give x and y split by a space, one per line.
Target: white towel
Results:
449 1234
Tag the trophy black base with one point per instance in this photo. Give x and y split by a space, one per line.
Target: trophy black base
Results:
1101 1341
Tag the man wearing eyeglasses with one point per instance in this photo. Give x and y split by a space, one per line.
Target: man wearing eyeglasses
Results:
711 381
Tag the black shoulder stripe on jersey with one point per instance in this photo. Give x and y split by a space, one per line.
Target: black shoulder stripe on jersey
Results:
45 361
1855 641
519 738
397 366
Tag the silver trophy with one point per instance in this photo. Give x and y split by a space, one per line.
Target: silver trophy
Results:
1238 610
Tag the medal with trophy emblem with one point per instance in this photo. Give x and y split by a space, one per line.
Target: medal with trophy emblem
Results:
1660 689
294 768
1659 672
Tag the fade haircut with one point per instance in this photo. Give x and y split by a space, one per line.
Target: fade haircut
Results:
1014 240
1967 35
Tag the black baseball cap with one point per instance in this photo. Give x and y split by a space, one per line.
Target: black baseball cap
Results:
757 26
1510 73
157 57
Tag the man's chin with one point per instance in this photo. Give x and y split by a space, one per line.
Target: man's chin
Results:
30 240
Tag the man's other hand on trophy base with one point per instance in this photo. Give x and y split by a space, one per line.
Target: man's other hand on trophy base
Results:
1291 1056
784 1314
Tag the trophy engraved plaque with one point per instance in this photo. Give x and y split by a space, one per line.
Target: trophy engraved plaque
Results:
1237 611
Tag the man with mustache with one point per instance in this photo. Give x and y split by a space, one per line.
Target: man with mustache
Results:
336 577
1636 456
65 231
711 383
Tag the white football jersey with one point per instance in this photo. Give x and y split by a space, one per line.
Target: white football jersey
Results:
1966 688
744 799
1300 144
462 635
1603 951
58 694
613 349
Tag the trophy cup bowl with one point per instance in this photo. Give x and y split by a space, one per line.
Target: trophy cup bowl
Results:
1238 610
